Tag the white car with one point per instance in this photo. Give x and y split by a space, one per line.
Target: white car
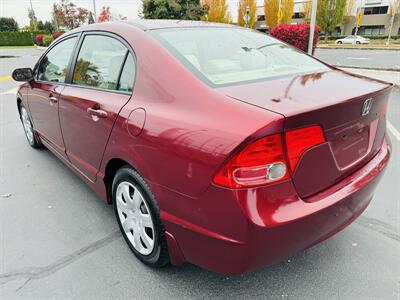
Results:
351 39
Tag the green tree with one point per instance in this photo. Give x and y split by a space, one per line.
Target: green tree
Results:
8 24
173 9
40 25
330 14
49 26
46 26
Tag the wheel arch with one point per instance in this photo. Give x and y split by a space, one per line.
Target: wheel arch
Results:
117 157
112 166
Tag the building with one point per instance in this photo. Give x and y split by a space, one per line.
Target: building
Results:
376 18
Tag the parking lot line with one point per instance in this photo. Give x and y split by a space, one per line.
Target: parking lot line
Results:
393 130
358 58
5 78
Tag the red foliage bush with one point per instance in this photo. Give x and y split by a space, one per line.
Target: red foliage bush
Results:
57 34
295 34
39 39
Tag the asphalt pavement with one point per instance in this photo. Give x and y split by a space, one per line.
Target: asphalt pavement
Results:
379 59
58 240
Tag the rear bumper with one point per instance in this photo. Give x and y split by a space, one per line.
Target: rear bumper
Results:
266 225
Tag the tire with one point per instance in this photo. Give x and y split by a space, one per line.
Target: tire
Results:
358 43
138 217
338 42
30 133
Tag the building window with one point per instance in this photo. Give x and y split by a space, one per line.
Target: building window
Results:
261 18
378 10
298 15
371 30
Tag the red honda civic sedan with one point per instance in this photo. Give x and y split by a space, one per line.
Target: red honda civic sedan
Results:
217 145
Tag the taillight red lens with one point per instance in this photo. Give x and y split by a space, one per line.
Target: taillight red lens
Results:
259 163
299 140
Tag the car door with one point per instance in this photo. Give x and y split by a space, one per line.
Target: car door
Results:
348 40
45 89
90 105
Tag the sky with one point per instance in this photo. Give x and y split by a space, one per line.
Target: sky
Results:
18 9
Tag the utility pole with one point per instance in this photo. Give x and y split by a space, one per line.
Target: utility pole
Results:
94 10
312 26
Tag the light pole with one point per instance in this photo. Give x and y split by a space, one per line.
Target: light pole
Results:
94 11
312 26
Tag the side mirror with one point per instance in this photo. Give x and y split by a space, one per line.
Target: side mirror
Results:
22 74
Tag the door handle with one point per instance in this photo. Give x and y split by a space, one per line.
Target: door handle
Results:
97 112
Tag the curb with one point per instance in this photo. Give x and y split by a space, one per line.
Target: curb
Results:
41 48
361 48
368 68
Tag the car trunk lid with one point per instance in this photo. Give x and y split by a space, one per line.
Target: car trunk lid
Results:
349 108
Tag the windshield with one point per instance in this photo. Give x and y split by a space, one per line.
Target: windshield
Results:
225 56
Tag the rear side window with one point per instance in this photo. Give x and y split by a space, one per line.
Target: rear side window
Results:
99 62
54 66
127 75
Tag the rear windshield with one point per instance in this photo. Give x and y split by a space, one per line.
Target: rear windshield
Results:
226 56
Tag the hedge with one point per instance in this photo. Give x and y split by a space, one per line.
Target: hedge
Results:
57 35
39 39
47 39
295 34
35 32
9 38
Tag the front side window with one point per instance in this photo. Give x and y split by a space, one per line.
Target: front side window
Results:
224 56
99 62
54 66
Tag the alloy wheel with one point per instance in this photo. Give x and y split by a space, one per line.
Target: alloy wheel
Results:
26 122
134 215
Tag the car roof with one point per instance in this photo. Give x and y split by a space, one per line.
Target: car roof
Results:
150 24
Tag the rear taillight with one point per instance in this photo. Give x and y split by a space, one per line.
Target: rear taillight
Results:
264 161
299 140
259 163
